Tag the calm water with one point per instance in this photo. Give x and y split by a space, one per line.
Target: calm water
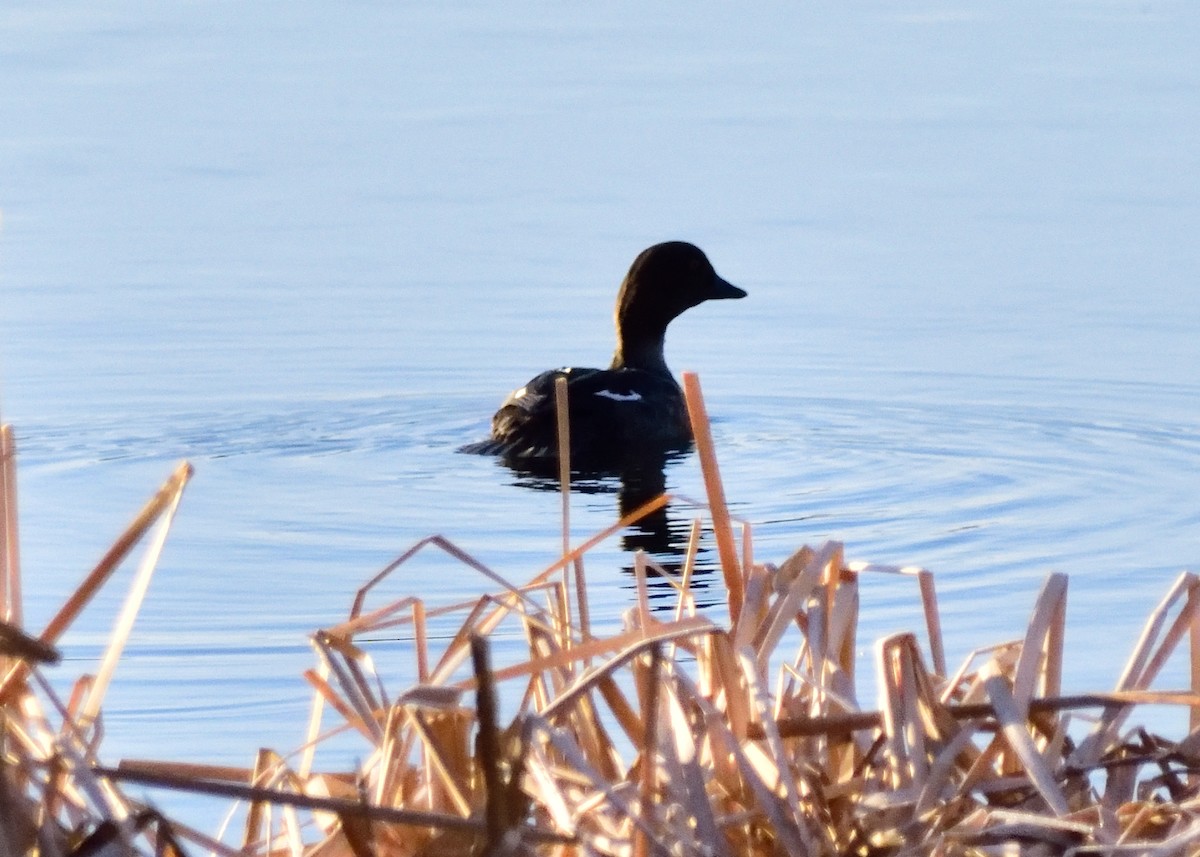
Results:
311 249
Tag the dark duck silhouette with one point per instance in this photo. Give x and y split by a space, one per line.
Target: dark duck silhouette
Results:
633 410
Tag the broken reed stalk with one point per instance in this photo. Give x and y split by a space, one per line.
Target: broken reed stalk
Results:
488 744
339 806
722 528
564 457
1193 609
933 621
165 498
10 555
857 721
649 748
133 603
562 414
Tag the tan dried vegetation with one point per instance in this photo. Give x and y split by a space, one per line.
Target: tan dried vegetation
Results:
680 734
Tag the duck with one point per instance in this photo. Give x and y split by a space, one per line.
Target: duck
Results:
634 408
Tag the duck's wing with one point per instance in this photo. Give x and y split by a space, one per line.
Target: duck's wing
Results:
614 414
627 410
526 424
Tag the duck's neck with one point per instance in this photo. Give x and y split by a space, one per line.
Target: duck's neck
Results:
640 350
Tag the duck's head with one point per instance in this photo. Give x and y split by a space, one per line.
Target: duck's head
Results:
663 281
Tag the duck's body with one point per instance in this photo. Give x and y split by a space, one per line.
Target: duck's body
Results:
612 412
634 407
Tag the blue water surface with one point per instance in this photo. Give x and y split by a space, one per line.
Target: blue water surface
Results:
309 247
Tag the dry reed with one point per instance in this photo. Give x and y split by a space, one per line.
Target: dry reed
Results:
680 734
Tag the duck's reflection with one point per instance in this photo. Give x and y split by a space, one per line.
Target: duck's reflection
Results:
663 534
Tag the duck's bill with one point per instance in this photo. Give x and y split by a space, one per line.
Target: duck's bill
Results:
724 289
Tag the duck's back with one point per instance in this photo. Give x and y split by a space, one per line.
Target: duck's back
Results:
612 411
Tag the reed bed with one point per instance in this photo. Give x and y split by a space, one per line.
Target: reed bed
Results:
736 732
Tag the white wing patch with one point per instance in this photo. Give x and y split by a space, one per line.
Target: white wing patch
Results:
519 393
620 397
